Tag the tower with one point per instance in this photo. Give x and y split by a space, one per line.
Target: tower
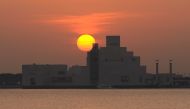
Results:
157 72
93 64
171 72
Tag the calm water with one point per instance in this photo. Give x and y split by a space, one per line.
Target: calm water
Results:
95 99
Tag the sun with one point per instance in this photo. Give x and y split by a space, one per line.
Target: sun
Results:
85 42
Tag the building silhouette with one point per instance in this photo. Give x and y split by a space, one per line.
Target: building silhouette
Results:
44 75
8 80
118 66
93 64
109 66
80 76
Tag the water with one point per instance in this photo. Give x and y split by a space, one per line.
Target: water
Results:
95 99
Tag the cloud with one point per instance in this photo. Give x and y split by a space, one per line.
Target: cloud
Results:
90 23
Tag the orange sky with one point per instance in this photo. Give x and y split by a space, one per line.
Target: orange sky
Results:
45 31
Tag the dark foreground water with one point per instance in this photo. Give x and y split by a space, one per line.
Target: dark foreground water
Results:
95 99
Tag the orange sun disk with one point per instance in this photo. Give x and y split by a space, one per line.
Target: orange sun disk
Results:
85 42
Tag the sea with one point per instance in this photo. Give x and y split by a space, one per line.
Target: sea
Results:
94 98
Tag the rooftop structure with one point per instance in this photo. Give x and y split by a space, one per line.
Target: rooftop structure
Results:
113 41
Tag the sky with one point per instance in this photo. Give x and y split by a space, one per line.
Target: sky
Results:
45 31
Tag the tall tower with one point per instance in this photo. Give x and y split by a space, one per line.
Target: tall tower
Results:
93 64
157 72
171 72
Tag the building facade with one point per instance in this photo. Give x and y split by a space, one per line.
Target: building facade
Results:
109 66
80 75
117 66
44 75
93 64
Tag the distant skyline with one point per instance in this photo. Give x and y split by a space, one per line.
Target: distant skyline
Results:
45 31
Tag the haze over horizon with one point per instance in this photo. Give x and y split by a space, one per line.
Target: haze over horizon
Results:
45 31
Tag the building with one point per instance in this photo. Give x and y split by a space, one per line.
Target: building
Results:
45 75
93 64
80 76
109 66
8 80
118 66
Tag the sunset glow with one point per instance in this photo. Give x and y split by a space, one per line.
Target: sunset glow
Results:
85 42
46 31
90 23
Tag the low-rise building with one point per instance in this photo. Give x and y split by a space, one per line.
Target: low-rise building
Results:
44 75
80 75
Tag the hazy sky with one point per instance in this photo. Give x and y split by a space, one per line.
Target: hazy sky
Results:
45 31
